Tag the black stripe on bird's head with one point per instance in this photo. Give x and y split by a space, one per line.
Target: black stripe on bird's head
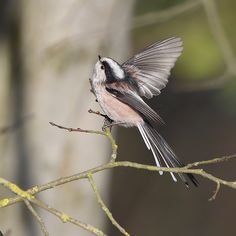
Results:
113 70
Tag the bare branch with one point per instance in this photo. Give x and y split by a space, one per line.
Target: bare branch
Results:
96 113
211 161
77 129
26 196
106 132
37 217
66 218
104 207
216 192
111 165
29 195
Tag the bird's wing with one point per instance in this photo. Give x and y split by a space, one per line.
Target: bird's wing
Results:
132 99
151 67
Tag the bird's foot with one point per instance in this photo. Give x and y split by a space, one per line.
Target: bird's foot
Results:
110 124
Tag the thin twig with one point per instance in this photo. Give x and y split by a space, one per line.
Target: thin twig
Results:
106 133
78 129
96 113
37 217
216 192
211 161
104 207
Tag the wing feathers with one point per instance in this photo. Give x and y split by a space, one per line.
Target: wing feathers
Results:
151 67
135 101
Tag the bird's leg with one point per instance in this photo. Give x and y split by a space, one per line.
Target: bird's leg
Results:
111 124
108 123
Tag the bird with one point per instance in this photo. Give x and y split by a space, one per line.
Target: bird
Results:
119 89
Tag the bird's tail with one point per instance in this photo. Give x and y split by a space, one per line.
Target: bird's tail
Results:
163 154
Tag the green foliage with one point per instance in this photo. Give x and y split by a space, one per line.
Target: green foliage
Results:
154 5
228 19
201 58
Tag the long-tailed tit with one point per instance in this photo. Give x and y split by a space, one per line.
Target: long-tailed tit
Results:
118 89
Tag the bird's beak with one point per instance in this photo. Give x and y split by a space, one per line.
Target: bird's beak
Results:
99 57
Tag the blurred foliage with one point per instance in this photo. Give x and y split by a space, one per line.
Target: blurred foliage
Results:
202 58
228 18
154 5
227 97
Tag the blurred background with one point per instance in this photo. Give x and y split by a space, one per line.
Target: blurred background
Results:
47 53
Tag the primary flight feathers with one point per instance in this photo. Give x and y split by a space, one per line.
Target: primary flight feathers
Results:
151 67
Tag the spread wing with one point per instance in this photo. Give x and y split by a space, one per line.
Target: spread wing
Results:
151 67
132 99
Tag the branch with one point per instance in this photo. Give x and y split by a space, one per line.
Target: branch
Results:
211 161
78 129
104 207
216 192
29 195
106 133
111 165
37 217
68 219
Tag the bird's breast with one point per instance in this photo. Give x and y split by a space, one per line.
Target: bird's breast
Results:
115 109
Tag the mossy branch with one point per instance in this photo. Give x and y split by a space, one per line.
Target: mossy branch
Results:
29 198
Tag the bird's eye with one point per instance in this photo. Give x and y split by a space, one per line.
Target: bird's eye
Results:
102 67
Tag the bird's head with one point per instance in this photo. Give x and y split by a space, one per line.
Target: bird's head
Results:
107 70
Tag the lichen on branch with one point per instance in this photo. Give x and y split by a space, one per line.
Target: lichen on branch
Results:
29 198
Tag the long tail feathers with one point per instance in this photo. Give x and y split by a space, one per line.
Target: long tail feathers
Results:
162 152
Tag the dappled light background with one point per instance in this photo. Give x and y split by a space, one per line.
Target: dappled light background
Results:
47 53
